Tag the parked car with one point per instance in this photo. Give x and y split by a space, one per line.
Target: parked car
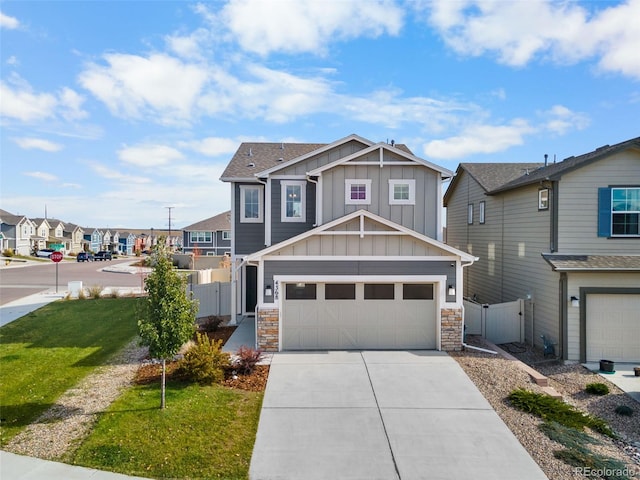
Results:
85 257
45 252
103 255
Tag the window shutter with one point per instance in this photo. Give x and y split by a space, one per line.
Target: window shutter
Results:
604 212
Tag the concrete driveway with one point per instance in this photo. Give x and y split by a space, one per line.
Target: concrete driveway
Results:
381 415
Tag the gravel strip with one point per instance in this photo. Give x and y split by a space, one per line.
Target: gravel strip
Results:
60 428
496 377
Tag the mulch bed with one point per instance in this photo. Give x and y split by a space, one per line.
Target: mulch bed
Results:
254 382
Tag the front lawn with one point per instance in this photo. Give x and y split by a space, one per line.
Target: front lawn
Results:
204 432
48 351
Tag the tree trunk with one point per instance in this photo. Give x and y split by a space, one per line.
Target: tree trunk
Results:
162 385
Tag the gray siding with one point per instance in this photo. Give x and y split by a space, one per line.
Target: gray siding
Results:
353 268
249 237
301 168
283 230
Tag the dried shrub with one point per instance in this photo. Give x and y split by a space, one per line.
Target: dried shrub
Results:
211 323
204 362
247 359
95 291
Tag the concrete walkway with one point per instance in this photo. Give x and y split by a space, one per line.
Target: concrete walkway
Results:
381 415
19 308
623 377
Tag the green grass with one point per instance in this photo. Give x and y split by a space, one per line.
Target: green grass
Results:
48 351
205 432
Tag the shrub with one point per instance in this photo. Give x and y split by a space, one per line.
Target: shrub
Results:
211 323
81 294
8 252
597 388
624 410
247 359
594 462
114 293
204 362
567 436
552 409
95 291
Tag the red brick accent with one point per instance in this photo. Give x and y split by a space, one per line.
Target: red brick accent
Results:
451 329
268 329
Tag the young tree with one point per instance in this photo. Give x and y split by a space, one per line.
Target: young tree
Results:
166 320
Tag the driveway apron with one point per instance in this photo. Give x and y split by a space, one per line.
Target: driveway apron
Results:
381 415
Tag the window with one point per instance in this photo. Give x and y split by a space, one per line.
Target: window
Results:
543 199
417 291
625 211
402 192
470 214
300 291
226 235
379 291
250 204
340 291
200 237
357 192
481 213
293 201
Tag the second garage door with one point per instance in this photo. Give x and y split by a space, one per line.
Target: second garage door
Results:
340 316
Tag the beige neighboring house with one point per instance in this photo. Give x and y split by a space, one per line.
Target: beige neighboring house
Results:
74 238
56 238
16 232
566 238
40 237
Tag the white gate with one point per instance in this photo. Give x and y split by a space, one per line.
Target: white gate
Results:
498 323
214 298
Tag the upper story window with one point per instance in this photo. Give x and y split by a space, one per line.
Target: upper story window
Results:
625 211
357 192
470 214
481 213
226 235
293 206
543 199
201 237
251 203
402 192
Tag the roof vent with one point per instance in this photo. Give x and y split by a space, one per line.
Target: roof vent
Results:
250 154
393 142
602 147
281 159
281 145
251 165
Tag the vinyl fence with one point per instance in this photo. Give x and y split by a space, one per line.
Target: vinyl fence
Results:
498 323
214 298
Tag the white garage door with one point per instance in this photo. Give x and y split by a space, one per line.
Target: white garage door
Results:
613 327
339 316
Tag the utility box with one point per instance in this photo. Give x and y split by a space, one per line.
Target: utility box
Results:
74 288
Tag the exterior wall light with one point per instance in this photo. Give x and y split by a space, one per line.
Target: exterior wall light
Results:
267 291
575 301
451 291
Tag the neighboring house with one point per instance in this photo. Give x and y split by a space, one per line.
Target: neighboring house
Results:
127 243
208 237
338 246
40 237
74 238
94 238
107 240
16 231
565 237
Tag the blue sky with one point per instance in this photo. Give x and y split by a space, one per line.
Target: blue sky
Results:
112 111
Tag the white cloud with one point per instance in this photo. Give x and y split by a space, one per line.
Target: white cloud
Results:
212 146
13 61
149 155
131 85
46 177
518 32
189 46
29 143
296 26
120 178
559 120
8 22
479 139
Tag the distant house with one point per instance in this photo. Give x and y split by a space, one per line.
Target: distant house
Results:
40 237
74 238
127 242
566 238
209 237
16 232
94 238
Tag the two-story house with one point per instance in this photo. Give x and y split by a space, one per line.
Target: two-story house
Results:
40 238
211 236
74 238
563 236
93 237
16 232
338 246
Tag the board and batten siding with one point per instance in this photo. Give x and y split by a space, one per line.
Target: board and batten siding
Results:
590 279
249 237
421 217
284 230
578 205
316 161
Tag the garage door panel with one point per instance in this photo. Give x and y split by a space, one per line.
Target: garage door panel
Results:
613 327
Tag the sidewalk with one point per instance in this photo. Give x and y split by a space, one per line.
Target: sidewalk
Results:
18 308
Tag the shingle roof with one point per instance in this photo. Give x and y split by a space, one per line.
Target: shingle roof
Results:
10 218
493 175
255 157
220 222
563 263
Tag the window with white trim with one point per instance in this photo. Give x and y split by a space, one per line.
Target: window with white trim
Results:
543 199
357 192
625 211
293 201
470 214
402 192
481 213
251 203
200 237
226 235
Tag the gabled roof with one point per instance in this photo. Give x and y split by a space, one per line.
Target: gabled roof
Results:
555 171
217 223
10 218
465 257
39 221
